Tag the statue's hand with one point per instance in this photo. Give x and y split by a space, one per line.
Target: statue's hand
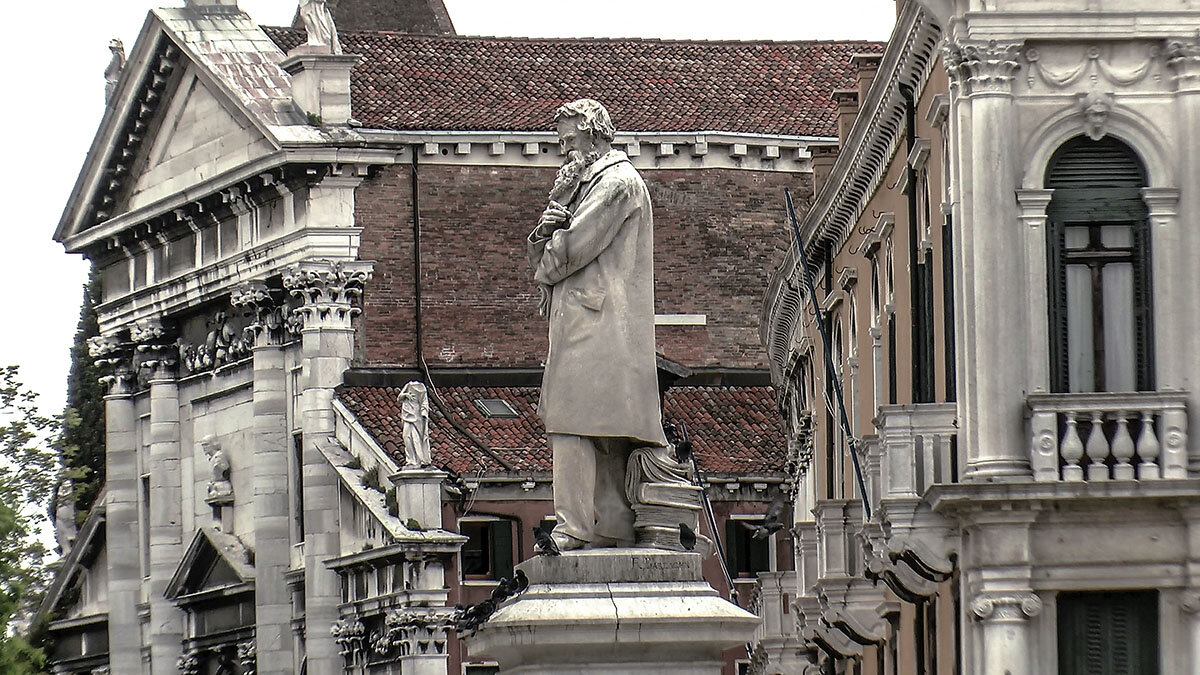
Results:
555 217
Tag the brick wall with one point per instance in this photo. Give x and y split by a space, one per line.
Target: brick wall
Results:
718 233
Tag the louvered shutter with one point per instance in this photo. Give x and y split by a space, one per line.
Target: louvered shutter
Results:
1097 182
1108 633
733 530
501 548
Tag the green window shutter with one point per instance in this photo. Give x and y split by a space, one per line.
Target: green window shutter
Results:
760 555
733 536
501 548
1108 633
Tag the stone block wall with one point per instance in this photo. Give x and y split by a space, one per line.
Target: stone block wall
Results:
717 232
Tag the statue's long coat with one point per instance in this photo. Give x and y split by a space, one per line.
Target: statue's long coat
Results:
601 378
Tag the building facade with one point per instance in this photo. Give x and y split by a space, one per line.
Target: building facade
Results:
999 249
286 236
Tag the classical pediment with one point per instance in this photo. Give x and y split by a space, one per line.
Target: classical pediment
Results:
215 561
183 117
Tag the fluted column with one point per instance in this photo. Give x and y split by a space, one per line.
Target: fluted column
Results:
1175 239
272 528
329 292
160 358
994 254
114 354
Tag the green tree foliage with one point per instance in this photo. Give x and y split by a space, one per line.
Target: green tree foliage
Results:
82 439
29 469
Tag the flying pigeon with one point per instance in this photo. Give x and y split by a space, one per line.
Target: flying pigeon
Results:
771 522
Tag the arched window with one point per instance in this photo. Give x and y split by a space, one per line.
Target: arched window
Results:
1099 269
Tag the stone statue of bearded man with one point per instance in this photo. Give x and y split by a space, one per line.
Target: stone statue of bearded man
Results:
593 257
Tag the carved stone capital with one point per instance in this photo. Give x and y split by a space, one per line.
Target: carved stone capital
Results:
1006 606
981 67
113 354
329 290
156 341
1183 57
247 654
267 325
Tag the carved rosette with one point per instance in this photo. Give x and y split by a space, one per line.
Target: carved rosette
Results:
1006 607
267 324
156 342
330 291
113 354
981 67
1183 57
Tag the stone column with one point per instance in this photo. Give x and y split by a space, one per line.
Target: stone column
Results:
1175 239
994 249
1033 204
1007 649
328 291
114 354
160 359
272 526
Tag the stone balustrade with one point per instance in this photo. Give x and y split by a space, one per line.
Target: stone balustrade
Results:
919 448
1100 436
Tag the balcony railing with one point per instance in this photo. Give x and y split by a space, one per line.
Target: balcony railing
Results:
919 448
1092 437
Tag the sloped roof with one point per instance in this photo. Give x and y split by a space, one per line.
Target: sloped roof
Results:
455 83
734 430
234 48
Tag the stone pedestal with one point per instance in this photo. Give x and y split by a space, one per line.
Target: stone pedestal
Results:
419 495
614 611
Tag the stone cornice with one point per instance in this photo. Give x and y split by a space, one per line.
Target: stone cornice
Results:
858 171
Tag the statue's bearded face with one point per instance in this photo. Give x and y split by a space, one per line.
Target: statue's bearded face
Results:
578 149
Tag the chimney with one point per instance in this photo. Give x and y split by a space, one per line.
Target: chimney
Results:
847 110
321 83
823 157
865 66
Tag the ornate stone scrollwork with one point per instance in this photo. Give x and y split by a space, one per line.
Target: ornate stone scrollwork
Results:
1096 62
188 664
350 636
1006 607
413 631
267 325
329 289
223 345
113 354
247 654
157 343
982 67
1183 57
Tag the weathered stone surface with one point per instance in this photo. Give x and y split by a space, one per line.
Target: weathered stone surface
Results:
613 611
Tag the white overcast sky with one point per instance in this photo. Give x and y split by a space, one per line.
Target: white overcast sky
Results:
57 51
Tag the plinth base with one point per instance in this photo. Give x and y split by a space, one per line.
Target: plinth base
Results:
614 611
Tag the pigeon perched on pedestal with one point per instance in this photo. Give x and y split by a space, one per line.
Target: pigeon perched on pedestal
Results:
543 544
687 538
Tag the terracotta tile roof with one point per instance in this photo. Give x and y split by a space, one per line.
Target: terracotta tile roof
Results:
454 83
735 430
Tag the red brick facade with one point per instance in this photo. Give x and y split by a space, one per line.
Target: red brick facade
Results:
718 232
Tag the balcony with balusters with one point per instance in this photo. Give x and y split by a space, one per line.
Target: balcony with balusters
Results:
1098 437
